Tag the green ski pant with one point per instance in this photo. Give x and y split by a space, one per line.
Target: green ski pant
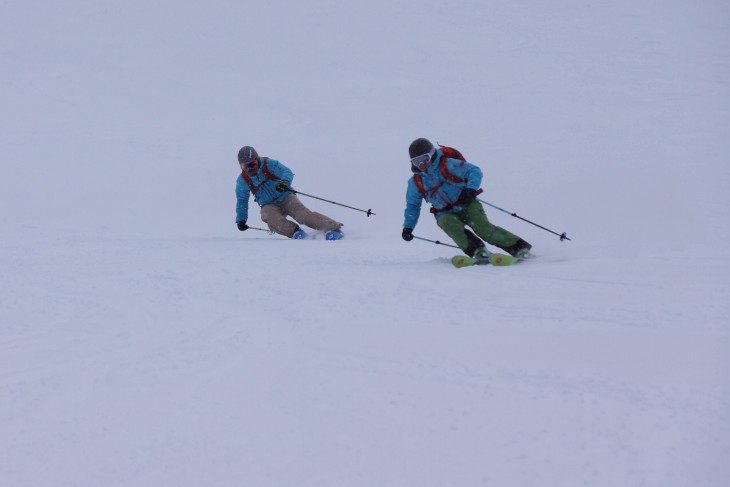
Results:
473 215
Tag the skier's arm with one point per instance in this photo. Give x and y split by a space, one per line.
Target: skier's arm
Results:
413 206
280 171
471 173
242 195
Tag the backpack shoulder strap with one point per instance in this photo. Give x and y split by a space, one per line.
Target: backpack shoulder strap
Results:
265 169
419 184
443 167
267 174
247 178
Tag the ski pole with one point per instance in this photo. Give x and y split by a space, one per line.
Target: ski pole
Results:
562 236
368 212
436 242
270 232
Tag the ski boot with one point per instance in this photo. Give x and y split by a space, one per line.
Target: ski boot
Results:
333 235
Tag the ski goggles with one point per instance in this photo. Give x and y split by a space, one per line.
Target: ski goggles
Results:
251 164
423 159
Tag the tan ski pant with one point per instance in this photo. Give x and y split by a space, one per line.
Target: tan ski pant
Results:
275 216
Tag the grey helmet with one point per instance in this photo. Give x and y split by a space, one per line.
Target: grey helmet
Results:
247 154
420 147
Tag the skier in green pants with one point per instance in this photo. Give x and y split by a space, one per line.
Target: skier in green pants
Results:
445 179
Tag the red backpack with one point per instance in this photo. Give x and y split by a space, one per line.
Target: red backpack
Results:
447 153
451 153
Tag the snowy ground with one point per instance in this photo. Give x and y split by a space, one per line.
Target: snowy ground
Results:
222 361
146 342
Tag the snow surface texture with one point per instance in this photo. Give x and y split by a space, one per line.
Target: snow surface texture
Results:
144 341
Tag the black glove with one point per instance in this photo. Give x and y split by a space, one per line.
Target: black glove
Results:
242 225
407 234
467 196
282 186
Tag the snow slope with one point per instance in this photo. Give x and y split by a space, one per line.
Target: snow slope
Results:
146 342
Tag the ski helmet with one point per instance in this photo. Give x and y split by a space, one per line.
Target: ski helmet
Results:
419 147
247 154
422 152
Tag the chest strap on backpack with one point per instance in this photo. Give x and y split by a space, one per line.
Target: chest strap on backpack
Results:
418 179
267 174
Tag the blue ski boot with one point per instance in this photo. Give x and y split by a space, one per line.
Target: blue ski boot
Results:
333 235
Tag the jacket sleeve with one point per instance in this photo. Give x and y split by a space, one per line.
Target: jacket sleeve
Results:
465 170
413 205
280 170
242 195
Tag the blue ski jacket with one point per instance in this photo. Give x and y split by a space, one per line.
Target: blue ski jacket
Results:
440 192
266 193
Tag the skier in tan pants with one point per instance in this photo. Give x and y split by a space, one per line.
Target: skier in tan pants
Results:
270 180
